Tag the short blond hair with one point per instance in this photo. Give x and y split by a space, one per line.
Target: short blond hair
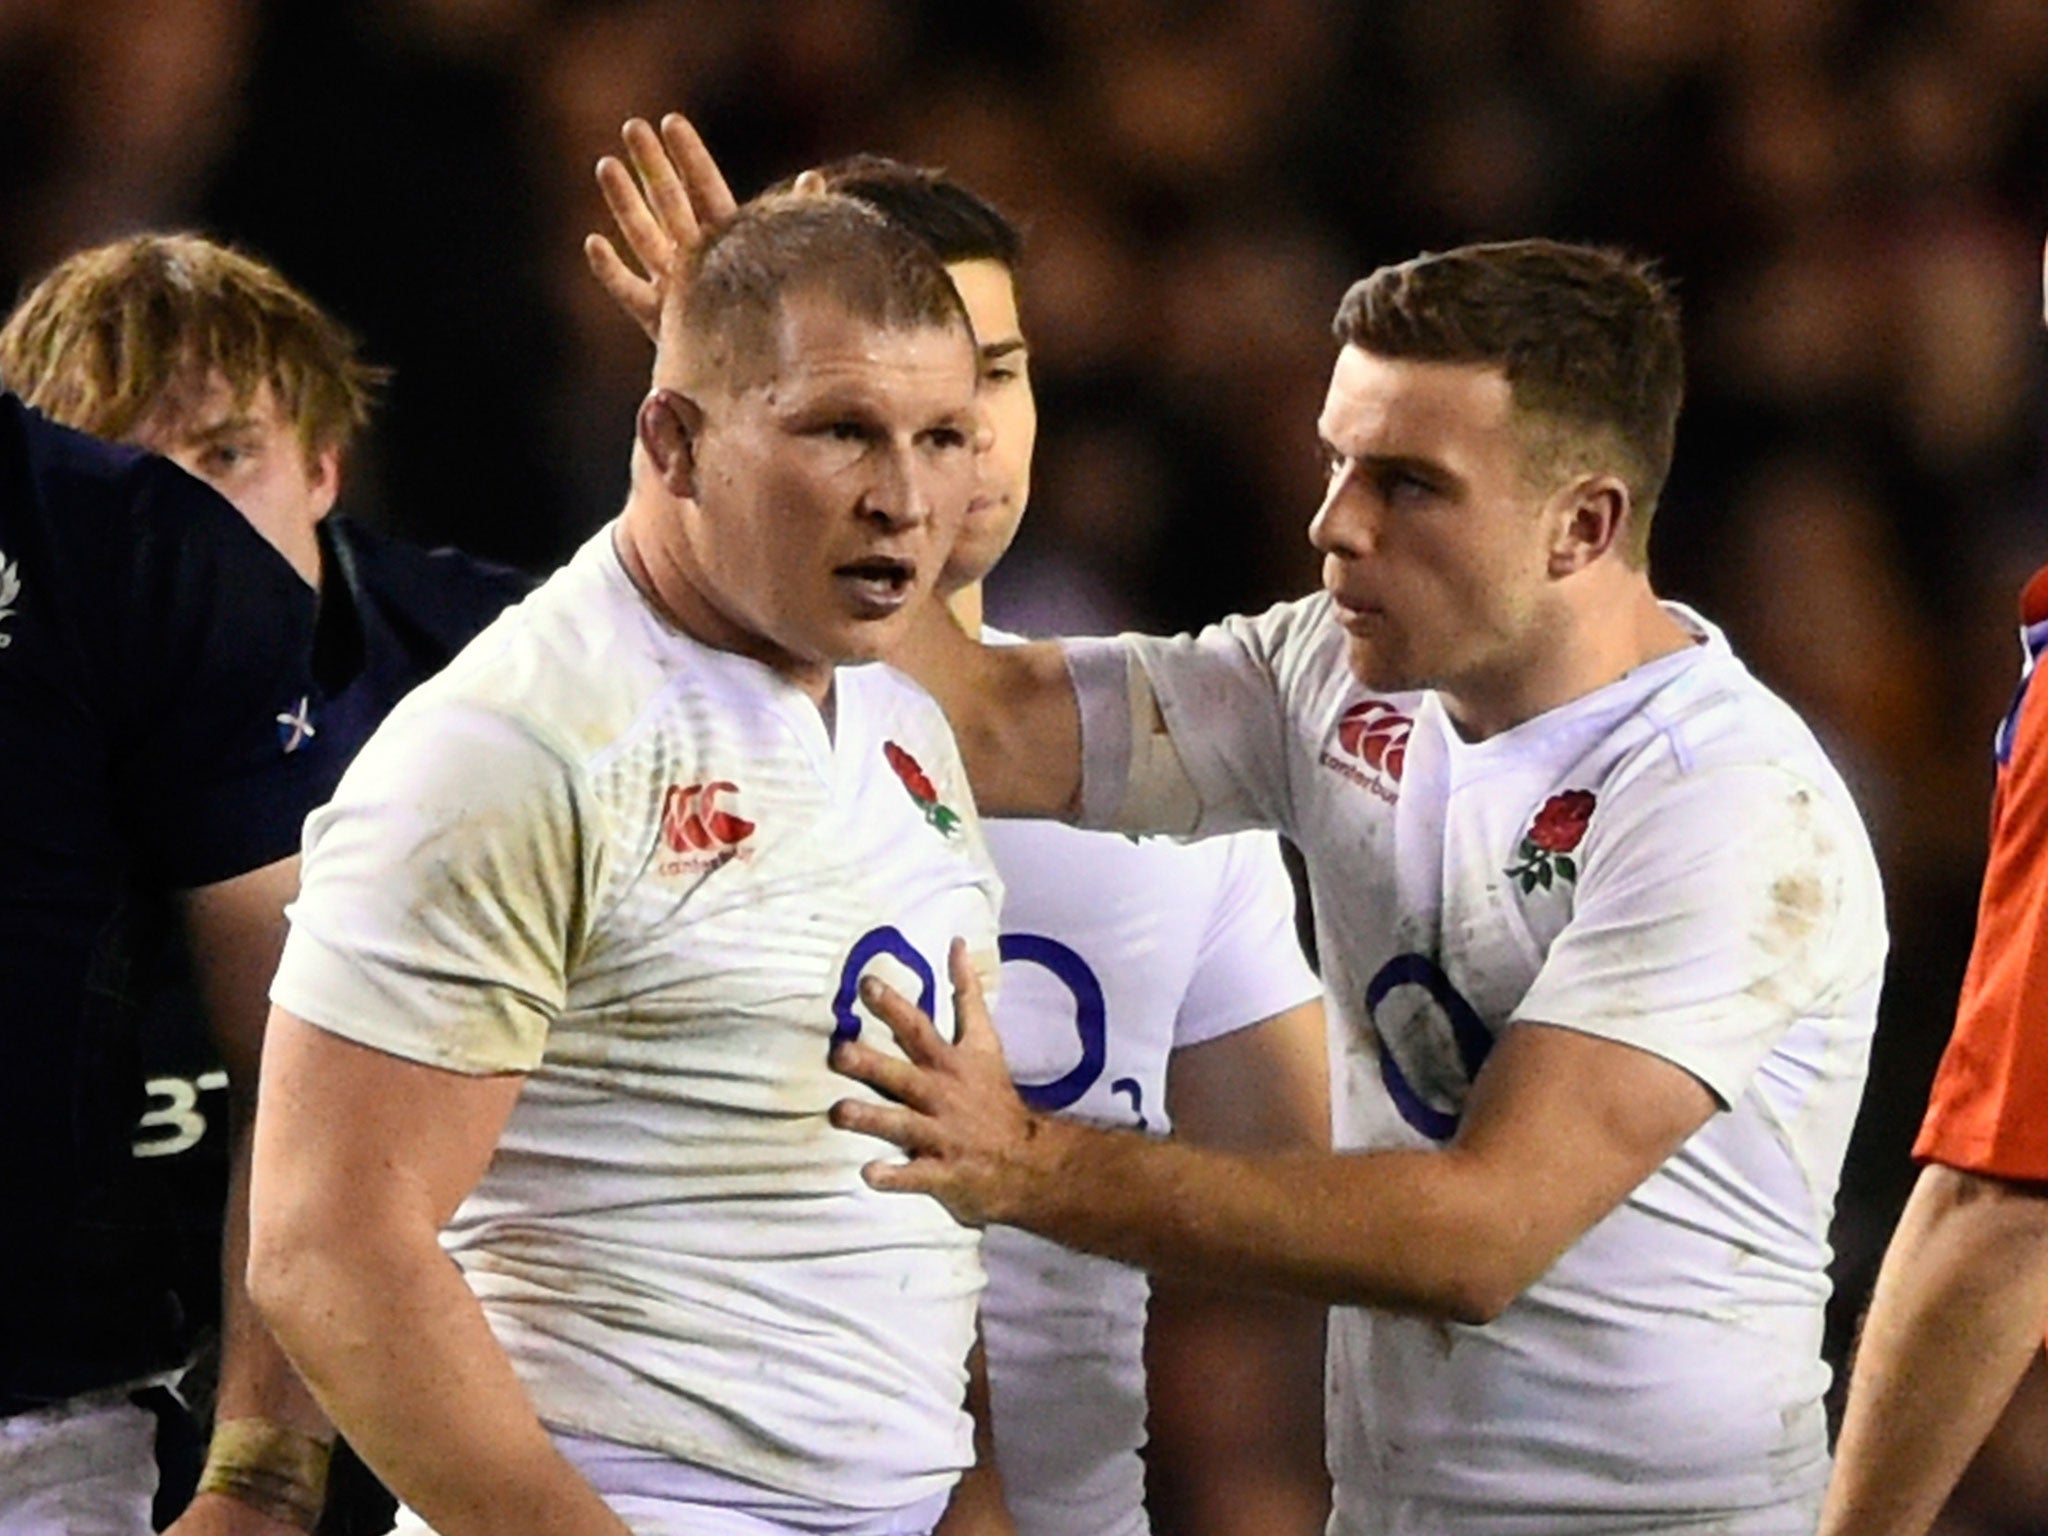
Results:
113 333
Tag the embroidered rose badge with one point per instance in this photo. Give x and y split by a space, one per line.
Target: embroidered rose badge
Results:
914 778
1545 855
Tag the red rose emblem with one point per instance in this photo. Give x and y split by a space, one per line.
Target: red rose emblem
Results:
1545 855
1561 823
912 775
921 788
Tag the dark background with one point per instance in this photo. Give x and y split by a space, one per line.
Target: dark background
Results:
1851 196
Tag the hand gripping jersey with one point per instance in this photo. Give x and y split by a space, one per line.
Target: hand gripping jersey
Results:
1115 954
1986 1111
640 871
1668 862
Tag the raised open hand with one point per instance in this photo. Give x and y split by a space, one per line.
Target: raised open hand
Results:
663 205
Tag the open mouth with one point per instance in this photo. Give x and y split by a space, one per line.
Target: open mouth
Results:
878 585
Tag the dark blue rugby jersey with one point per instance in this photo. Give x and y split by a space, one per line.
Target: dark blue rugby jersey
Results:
391 615
153 649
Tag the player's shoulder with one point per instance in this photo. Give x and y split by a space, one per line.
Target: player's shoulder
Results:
1710 711
48 458
1713 737
578 661
445 596
108 514
1298 635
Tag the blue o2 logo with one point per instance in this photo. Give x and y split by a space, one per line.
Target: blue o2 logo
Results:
1469 1037
1091 1011
872 945
1091 1019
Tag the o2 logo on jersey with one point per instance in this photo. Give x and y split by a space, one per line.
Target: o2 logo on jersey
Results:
1432 1043
1091 1020
1060 961
868 948
1372 747
696 832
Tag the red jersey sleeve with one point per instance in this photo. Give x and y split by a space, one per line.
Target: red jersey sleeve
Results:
1988 1112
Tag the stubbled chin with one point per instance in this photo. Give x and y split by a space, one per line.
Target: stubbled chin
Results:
1371 668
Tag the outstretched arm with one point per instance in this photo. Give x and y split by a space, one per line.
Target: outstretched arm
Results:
1013 710
1959 1310
1558 1129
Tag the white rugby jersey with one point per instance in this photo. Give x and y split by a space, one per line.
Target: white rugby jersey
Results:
1115 954
1670 862
640 870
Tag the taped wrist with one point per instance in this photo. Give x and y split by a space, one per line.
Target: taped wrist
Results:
276 1471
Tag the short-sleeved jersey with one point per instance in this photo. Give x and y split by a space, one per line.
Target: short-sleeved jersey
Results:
1116 953
1668 862
1986 1112
642 872
150 641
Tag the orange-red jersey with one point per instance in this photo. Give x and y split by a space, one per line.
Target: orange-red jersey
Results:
1989 1109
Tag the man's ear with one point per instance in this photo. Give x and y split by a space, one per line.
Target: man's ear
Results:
323 479
1590 522
669 425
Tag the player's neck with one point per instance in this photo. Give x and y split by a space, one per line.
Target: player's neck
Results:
965 606
664 576
1582 654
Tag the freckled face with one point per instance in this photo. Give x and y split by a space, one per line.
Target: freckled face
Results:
251 454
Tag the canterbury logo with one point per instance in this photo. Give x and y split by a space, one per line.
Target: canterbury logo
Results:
691 821
1375 734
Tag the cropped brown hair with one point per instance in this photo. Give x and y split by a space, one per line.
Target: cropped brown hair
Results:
113 333
783 244
1587 337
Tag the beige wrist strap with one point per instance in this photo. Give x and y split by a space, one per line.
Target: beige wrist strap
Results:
274 1470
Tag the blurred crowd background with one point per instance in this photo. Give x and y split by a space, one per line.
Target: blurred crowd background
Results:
1850 194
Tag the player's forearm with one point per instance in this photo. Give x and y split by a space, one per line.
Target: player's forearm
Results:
1406 1231
1958 1312
397 1349
1012 710
256 1378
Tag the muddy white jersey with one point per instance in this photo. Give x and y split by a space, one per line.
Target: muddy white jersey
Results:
1116 953
1669 862
642 872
